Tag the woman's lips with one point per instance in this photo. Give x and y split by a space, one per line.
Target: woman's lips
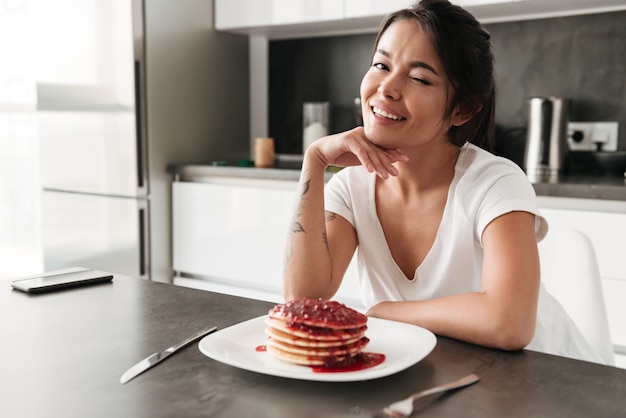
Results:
387 115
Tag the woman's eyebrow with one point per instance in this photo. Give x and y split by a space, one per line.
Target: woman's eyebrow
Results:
412 64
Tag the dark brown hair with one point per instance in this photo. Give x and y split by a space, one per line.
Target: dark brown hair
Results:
464 48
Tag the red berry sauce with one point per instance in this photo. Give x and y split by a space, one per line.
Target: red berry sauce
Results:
360 361
320 313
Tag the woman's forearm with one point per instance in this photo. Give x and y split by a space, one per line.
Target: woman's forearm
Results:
307 261
472 317
308 267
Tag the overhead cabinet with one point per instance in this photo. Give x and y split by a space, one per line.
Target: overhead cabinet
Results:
254 16
372 8
276 19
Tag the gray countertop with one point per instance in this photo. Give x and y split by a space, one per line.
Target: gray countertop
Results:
585 187
581 187
63 354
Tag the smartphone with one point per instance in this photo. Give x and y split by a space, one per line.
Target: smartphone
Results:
60 279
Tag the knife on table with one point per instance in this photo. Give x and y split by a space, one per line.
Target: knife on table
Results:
156 358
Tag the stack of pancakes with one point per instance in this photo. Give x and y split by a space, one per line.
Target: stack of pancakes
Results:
315 332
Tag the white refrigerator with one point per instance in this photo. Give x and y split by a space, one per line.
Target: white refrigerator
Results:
125 88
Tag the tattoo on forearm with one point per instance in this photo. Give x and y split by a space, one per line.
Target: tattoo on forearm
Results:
296 226
305 187
328 216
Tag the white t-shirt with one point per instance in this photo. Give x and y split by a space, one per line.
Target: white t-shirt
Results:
484 187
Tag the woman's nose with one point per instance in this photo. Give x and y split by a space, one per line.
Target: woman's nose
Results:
391 87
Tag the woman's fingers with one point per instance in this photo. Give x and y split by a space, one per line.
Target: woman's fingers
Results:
381 161
353 148
397 155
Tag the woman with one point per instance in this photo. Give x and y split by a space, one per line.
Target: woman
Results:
447 233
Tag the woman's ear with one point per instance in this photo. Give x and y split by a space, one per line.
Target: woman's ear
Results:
465 111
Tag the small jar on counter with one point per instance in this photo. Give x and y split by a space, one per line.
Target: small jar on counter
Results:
264 152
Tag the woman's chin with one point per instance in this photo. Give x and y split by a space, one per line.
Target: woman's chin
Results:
378 139
373 135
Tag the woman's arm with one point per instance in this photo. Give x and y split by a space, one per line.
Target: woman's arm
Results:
503 314
320 244
307 261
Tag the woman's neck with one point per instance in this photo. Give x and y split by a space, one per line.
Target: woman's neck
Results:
427 169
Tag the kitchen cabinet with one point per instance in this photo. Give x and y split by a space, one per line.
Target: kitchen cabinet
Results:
369 8
241 14
229 236
280 19
604 223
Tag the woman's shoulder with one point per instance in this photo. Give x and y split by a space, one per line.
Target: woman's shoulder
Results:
476 161
480 173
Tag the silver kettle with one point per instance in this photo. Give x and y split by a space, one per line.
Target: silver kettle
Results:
546 141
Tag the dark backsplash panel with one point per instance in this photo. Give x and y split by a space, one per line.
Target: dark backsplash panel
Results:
312 70
579 57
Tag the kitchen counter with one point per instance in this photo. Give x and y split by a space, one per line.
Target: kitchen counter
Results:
199 172
63 354
580 187
585 187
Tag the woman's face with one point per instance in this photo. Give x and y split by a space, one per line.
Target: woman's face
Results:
404 91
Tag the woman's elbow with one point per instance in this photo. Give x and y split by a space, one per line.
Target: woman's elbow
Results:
297 290
514 342
292 291
512 337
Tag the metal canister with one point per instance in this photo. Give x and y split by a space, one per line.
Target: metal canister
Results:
546 142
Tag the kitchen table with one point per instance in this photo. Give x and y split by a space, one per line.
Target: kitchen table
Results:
62 354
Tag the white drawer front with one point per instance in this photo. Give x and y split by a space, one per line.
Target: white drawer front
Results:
233 232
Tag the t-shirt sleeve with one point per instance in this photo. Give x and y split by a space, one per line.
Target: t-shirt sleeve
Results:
510 193
337 197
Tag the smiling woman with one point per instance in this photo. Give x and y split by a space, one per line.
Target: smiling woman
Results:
446 232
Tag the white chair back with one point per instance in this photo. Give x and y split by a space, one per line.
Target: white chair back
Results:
569 271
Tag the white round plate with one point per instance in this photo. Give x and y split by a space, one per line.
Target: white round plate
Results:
402 344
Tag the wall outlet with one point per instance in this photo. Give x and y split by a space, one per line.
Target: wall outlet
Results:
587 136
